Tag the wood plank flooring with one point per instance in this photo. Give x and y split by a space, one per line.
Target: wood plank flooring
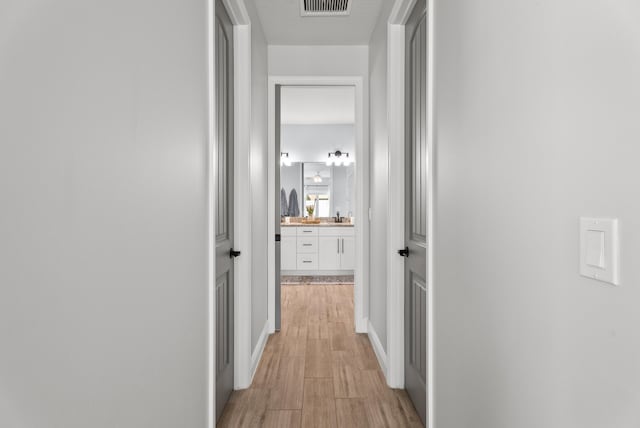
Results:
317 372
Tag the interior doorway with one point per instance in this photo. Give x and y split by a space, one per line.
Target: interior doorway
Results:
318 189
316 143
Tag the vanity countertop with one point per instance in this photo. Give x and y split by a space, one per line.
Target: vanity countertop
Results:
316 225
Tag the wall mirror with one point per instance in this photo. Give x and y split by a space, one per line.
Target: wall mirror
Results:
329 189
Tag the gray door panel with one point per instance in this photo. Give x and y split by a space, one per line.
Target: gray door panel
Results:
224 207
416 210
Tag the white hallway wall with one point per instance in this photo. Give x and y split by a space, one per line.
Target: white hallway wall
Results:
103 177
379 175
537 124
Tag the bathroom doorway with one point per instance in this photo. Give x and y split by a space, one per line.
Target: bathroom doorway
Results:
319 192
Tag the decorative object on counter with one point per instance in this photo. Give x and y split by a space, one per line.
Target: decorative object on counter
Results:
285 159
338 158
308 203
337 218
294 208
310 220
284 207
311 208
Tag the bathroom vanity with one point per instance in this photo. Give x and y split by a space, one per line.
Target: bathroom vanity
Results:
317 249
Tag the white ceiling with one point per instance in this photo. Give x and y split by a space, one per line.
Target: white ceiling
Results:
317 105
283 24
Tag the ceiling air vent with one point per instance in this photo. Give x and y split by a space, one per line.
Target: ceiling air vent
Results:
325 7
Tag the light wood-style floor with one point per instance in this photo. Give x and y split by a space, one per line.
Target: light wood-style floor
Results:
316 372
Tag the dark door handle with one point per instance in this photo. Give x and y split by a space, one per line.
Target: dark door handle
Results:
404 252
233 253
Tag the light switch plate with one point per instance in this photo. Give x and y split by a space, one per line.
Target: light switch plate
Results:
599 249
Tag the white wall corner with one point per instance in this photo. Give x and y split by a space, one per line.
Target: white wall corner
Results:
378 349
237 11
256 355
401 11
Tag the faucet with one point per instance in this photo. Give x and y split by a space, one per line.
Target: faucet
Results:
338 219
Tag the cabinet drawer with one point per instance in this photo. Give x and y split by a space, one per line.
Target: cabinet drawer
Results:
307 261
307 244
307 231
337 231
288 231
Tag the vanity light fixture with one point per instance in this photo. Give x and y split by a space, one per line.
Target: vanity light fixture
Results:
338 158
285 159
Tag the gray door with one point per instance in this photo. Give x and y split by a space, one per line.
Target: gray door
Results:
224 207
415 287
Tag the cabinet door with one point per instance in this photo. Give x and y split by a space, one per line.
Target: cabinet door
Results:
329 253
288 253
347 253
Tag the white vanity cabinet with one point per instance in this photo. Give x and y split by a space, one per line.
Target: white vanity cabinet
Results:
329 253
288 250
320 249
348 254
336 248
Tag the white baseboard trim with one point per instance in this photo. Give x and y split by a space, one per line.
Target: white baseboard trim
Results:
257 352
377 348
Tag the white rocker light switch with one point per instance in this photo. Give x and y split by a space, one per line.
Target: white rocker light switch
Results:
599 258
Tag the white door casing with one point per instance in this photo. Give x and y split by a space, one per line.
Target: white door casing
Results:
361 266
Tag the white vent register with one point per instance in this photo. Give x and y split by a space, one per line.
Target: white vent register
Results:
313 8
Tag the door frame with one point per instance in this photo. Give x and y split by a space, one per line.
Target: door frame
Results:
242 226
396 229
361 277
